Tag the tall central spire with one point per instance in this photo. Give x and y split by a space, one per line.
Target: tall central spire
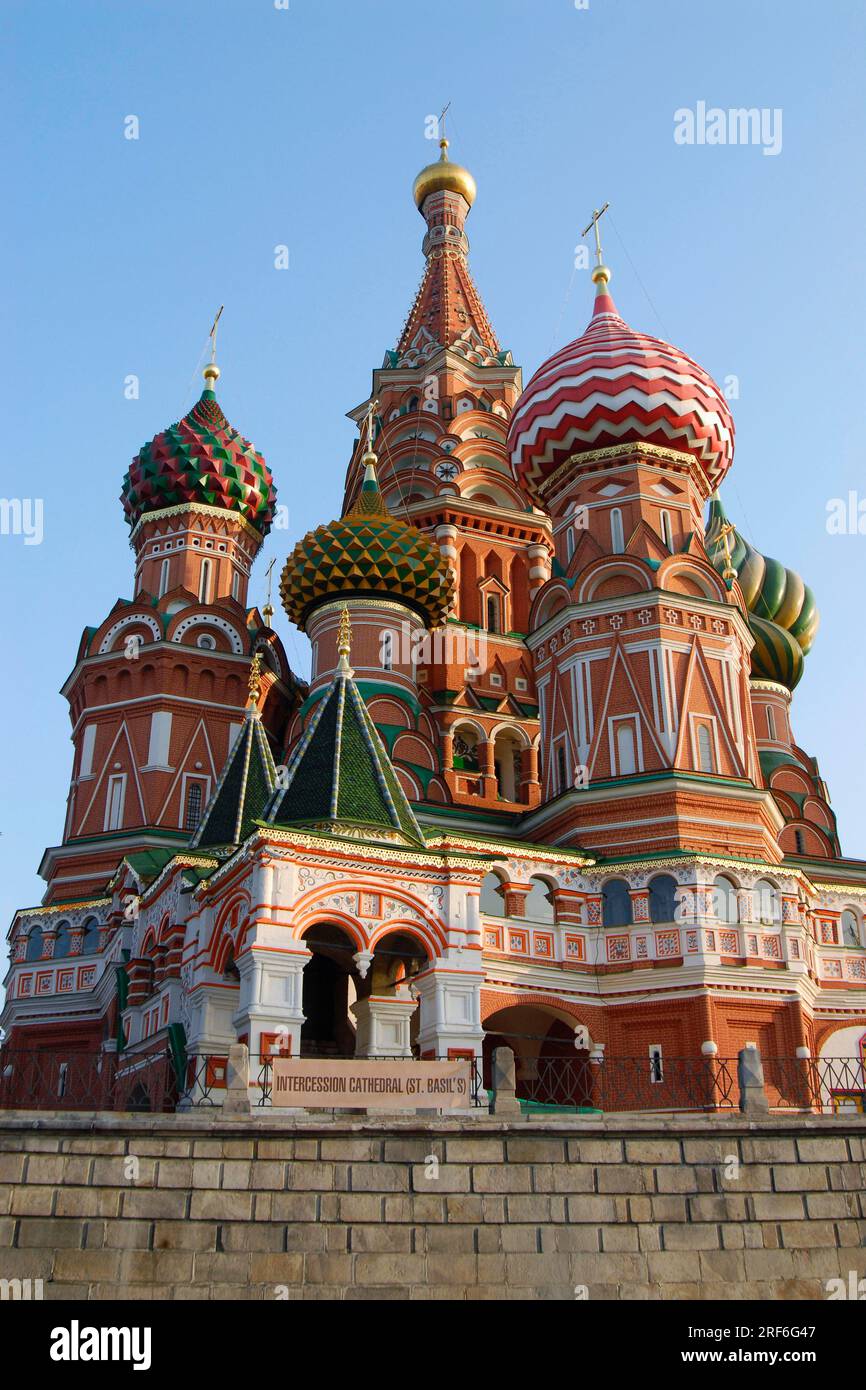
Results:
447 307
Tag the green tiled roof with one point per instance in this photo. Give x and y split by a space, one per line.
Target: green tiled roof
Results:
243 790
340 771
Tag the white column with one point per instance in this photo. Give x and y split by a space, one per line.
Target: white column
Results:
271 1001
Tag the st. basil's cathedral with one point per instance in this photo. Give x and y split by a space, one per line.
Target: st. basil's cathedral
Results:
542 788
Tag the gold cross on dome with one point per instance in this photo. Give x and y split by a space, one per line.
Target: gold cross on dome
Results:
370 409
592 225
442 122
213 333
725 538
268 610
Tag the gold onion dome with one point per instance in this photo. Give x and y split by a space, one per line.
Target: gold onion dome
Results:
368 551
443 175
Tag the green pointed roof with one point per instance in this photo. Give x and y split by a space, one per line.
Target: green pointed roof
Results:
242 791
340 772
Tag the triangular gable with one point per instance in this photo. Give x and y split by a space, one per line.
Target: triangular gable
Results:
243 790
340 771
621 699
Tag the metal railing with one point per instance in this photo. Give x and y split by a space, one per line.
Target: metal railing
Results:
628 1083
75 1079
70 1079
819 1085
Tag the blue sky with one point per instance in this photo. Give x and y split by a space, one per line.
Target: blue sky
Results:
305 127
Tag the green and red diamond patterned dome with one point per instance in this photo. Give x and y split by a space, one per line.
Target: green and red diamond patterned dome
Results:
200 459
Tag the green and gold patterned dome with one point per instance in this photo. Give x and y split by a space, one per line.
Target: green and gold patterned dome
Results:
368 551
783 615
203 460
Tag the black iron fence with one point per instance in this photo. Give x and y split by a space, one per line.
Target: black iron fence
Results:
64 1079
75 1079
628 1083
822 1085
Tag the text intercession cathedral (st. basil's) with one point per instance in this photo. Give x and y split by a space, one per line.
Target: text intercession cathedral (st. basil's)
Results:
543 788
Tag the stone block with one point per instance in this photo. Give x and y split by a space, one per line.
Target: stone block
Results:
450 1177
777 1206
688 1237
800 1177
595 1150
183 1235
832 1149
653 1151
501 1177
276 1269
50 1234
221 1206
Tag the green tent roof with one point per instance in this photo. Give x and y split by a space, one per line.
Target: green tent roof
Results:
340 771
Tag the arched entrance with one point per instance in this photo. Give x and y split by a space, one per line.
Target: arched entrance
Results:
389 1018
331 986
550 1070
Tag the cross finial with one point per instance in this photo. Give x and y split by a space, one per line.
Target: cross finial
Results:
369 452
268 610
212 371
725 539
592 225
443 139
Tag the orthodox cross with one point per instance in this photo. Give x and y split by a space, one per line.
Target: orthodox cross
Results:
213 333
592 225
370 409
442 121
725 540
268 610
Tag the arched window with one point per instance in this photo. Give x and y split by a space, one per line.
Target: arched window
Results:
62 942
725 900
492 901
493 613
539 904
387 651
465 750
91 937
193 806
771 722
34 944
204 582
569 542
617 543
765 902
667 533
850 928
663 898
616 903
163 577
705 749
626 761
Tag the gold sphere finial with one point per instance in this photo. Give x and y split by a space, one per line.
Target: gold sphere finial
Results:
601 277
211 376
443 176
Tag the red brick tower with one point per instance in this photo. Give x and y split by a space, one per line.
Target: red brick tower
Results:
443 398
641 647
158 690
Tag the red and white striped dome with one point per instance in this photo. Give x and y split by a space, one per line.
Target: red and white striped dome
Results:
615 386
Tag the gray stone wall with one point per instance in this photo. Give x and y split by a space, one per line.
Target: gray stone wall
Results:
202 1206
